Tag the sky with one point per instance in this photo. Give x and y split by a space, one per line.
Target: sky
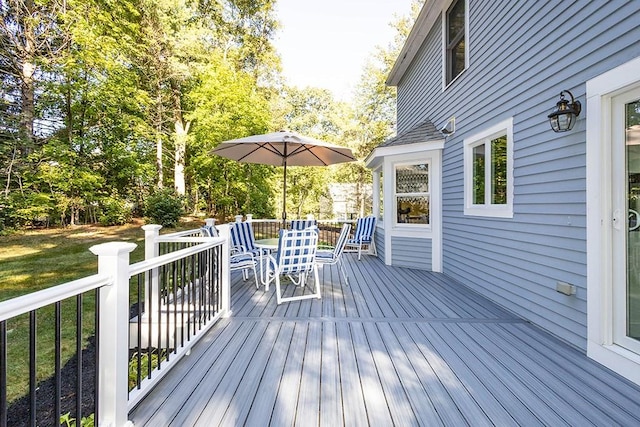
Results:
325 43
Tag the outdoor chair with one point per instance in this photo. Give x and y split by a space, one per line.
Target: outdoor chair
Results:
363 236
295 258
301 224
334 256
242 238
209 231
244 262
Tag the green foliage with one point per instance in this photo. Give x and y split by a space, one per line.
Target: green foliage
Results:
144 368
68 421
165 208
114 211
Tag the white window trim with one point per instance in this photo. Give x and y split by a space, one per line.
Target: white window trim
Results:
444 44
600 345
378 205
407 226
421 153
488 210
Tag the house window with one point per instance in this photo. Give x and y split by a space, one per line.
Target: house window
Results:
488 172
455 30
412 194
381 198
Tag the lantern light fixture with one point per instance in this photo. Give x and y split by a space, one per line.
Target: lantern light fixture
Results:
563 117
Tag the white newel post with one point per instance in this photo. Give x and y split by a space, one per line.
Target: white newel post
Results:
238 218
225 288
113 260
249 217
151 250
210 222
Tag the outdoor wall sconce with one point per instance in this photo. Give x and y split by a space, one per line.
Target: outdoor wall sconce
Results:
563 117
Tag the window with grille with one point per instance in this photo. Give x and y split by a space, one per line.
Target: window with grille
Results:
412 194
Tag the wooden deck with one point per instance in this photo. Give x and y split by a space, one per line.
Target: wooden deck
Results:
396 347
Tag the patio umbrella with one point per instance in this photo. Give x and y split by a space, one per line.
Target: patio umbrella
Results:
284 149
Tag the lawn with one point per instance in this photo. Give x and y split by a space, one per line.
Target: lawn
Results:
32 260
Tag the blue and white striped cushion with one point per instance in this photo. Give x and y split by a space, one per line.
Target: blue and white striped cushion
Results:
242 236
301 224
364 230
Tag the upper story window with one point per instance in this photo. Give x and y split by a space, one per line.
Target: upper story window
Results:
412 193
455 41
488 172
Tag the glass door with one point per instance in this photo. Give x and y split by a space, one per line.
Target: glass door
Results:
626 219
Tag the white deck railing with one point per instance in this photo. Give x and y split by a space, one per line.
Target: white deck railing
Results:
207 266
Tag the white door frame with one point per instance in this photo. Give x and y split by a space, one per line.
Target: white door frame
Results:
600 220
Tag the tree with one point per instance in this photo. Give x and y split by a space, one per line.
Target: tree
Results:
226 105
375 102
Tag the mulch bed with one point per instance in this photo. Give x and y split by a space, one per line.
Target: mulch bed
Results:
19 411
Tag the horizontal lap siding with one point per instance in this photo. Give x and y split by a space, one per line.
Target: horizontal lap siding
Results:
409 252
379 238
518 66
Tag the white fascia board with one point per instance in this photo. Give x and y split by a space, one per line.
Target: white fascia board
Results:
374 160
429 15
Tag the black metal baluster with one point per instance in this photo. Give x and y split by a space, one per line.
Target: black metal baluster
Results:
3 373
150 318
219 270
189 318
32 367
58 360
166 309
161 287
79 356
213 274
96 408
175 310
139 343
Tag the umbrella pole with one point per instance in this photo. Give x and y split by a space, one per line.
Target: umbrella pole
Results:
284 190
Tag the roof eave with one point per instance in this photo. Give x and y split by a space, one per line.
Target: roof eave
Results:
424 22
375 158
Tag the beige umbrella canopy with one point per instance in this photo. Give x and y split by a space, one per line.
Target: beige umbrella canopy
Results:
284 149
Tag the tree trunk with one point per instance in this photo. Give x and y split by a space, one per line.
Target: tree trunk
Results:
27 86
181 148
182 129
159 162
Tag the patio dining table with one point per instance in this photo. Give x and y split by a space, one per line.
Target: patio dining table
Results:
270 245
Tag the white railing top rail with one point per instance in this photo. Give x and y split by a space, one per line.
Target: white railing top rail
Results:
320 221
148 264
171 237
35 300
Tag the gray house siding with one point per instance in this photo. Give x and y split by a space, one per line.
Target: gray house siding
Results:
379 238
410 252
519 63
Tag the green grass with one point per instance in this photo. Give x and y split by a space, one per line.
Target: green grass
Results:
37 259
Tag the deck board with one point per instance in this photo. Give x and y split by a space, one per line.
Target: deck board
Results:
394 347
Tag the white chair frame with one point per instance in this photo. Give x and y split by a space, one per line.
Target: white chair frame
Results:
296 256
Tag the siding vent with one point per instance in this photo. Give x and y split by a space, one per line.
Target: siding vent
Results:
565 288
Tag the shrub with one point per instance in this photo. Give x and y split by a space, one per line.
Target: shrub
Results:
114 211
164 208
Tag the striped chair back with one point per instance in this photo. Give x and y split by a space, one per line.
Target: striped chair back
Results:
365 228
342 241
209 231
301 224
296 251
242 237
